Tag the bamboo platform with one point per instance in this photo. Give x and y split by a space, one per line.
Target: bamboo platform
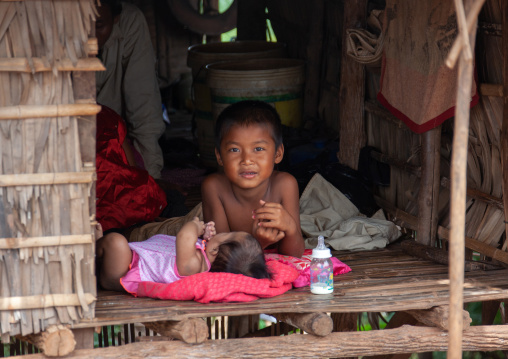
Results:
384 280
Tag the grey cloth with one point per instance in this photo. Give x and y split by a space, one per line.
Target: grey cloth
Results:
325 211
129 85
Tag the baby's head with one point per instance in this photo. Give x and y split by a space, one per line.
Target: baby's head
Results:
237 252
248 113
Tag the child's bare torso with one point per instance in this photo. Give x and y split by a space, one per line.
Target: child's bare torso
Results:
238 203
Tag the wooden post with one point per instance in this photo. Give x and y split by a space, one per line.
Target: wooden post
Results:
319 324
458 177
84 338
428 198
56 340
352 91
192 331
504 128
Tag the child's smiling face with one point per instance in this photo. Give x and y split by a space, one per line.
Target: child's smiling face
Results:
248 155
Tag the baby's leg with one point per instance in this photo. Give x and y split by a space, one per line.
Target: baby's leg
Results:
113 257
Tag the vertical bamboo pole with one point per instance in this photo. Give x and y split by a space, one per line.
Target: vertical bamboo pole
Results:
429 187
458 179
504 128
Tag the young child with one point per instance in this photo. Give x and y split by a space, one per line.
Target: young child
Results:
165 259
250 196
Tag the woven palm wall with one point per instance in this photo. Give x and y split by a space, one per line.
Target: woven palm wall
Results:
47 164
485 212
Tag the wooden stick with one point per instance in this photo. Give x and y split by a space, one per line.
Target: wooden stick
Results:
439 317
56 340
491 90
471 21
36 111
31 179
406 339
14 64
29 242
319 324
191 331
43 301
458 190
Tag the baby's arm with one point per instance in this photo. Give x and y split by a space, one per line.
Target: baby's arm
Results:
188 259
285 217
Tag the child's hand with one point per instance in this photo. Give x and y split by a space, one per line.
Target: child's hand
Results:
209 231
273 215
266 236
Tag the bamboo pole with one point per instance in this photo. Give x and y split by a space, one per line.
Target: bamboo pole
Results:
458 177
43 301
504 127
29 179
11 243
15 64
38 111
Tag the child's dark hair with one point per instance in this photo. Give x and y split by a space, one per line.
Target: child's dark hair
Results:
241 257
245 113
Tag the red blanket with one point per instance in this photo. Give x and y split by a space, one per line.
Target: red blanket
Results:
209 287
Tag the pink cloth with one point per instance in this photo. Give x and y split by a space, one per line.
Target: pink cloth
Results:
302 265
223 287
154 260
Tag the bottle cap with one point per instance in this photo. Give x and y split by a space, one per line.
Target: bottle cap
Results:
321 251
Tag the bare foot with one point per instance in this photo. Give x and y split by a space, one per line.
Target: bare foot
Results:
209 231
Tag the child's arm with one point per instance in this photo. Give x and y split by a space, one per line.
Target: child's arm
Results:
213 210
189 260
285 217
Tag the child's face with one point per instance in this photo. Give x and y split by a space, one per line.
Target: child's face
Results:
248 155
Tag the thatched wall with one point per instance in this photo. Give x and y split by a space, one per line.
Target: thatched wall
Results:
485 215
47 163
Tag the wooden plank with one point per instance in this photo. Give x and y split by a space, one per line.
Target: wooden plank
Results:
15 64
32 179
406 339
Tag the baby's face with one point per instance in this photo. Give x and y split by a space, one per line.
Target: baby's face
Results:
248 155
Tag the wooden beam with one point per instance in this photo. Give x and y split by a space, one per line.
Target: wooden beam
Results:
56 340
406 339
191 331
319 324
352 91
439 317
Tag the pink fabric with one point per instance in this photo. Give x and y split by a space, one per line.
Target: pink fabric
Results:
154 260
302 265
223 287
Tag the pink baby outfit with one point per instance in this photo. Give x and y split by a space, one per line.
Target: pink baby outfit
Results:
154 260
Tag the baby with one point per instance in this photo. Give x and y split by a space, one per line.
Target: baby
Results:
165 259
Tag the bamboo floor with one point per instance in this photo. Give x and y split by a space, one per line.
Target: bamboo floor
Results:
386 280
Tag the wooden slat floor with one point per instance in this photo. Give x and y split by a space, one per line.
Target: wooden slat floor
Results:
384 280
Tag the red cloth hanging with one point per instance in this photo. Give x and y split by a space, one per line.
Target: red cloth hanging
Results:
126 195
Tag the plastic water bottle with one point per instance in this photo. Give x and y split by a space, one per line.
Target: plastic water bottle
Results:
321 269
